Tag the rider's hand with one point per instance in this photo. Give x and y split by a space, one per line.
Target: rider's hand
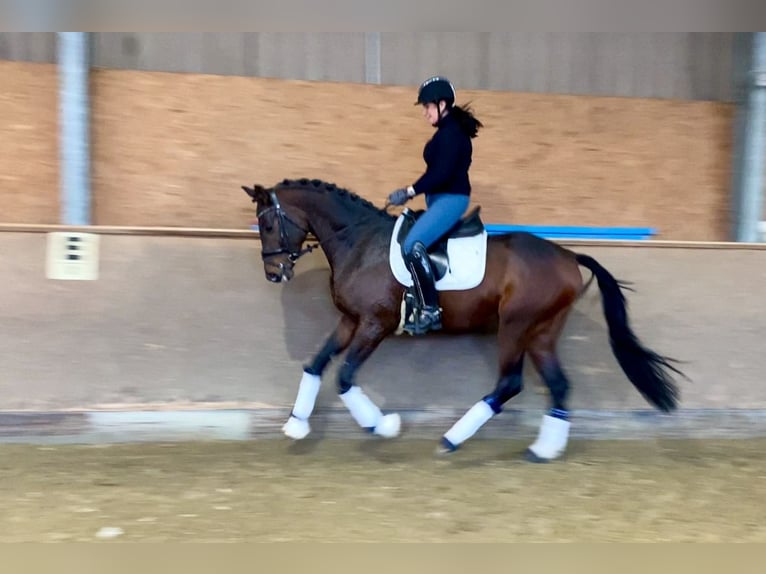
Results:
400 196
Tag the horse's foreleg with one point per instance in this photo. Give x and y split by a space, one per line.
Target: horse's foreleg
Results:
364 411
335 343
297 425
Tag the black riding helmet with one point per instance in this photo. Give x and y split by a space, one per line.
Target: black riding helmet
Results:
435 89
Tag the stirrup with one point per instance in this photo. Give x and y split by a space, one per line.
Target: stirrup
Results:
421 321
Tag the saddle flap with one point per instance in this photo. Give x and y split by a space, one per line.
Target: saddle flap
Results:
409 218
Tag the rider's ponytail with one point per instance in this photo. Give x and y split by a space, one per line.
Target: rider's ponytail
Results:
467 121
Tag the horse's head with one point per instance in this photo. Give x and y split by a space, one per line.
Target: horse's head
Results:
282 234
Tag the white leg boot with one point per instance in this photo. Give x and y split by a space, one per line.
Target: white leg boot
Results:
466 427
297 426
368 415
551 440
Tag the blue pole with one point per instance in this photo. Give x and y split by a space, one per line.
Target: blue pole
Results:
753 149
74 108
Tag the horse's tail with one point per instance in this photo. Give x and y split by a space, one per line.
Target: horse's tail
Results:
648 371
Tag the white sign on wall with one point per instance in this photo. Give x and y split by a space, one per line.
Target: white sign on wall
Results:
72 256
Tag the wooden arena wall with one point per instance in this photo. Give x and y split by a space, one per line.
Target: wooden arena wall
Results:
172 149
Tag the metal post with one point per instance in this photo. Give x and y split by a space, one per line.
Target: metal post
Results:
372 71
749 163
74 108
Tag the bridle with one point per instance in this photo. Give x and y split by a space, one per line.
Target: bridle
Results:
284 239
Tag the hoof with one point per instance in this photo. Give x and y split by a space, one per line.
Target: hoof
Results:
530 456
296 429
389 426
445 447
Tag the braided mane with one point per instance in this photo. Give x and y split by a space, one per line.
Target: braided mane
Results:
347 197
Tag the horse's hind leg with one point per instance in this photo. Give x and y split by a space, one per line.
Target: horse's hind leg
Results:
508 386
297 426
554 430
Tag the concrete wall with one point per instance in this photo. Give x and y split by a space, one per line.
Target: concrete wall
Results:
176 321
682 65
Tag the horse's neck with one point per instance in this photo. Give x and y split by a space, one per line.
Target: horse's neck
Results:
344 232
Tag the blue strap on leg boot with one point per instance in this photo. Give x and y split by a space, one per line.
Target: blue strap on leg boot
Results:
428 316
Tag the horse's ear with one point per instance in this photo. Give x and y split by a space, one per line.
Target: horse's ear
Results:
256 193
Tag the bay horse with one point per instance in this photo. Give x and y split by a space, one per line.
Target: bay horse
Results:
529 287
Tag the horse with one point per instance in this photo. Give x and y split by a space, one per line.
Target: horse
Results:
527 290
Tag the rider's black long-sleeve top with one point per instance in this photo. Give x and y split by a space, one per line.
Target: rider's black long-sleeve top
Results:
448 157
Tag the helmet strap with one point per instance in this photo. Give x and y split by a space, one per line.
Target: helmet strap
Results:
440 113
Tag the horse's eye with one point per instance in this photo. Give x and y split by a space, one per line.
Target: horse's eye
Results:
266 226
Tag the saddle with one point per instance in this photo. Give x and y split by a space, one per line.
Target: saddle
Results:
470 225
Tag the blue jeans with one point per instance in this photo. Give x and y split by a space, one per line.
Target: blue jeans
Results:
442 213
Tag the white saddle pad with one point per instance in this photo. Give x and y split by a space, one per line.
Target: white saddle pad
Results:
467 261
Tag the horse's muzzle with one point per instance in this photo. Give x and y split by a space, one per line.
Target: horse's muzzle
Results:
277 274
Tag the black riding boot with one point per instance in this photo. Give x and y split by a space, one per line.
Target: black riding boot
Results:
427 316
